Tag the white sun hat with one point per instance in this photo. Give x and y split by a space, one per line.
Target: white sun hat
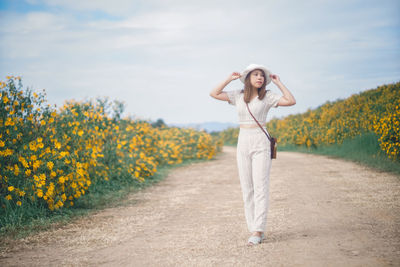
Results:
252 67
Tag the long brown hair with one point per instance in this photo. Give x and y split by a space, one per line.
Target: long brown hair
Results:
247 88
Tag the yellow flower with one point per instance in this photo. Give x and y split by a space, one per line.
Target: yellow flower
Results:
50 165
9 122
39 193
16 170
59 203
36 164
8 197
61 180
23 161
32 146
5 99
19 203
81 172
57 145
10 188
2 144
21 193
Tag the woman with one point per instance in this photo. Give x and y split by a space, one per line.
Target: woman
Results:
253 148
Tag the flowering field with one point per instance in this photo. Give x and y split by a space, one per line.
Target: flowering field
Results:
50 157
375 110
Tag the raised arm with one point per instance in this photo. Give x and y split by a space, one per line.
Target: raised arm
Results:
217 92
287 99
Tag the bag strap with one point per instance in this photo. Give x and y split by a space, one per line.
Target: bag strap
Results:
269 137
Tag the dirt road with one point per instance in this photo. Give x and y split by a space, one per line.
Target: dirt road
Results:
323 212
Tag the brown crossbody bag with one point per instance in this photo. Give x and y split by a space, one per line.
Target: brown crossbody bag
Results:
272 140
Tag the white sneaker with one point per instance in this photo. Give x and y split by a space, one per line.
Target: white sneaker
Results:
254 240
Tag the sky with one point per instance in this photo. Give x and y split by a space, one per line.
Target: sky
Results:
163 57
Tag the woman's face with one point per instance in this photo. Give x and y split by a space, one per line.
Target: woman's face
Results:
257 78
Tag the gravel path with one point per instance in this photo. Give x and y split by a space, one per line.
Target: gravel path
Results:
323 212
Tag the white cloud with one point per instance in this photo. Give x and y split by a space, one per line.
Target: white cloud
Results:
180 50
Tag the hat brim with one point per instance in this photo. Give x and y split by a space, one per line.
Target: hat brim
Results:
255 67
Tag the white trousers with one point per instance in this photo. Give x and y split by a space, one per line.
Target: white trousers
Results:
254 164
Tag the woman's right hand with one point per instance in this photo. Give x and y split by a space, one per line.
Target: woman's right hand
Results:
217 91
234 76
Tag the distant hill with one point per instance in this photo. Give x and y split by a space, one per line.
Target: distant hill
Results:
207 126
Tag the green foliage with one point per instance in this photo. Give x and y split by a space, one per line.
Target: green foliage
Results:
50 158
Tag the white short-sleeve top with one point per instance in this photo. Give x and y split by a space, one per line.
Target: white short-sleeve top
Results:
258 107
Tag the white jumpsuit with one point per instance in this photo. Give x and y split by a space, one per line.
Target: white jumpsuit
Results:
253 157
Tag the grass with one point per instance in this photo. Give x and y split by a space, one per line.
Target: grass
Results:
19 223
362 149
230 144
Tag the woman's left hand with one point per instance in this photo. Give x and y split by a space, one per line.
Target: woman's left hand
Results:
274 78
